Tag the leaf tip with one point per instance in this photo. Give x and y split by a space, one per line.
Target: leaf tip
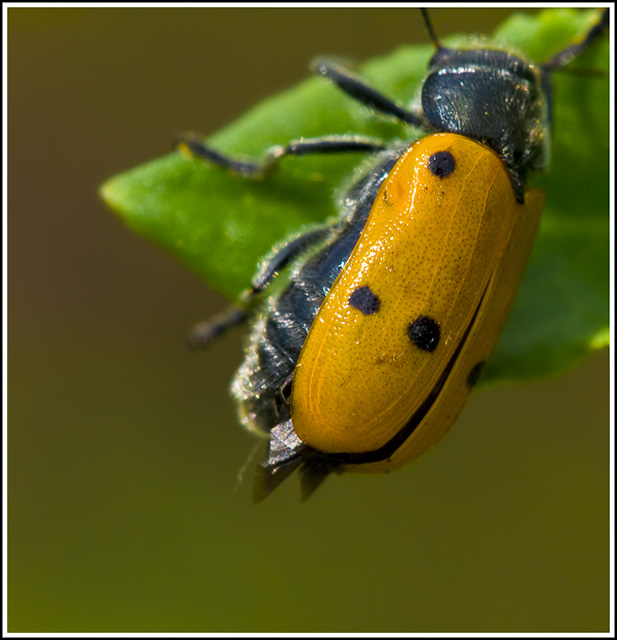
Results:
108 193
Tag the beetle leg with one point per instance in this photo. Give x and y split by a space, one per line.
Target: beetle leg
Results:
364 93
284 256
562 58
193 144
204 333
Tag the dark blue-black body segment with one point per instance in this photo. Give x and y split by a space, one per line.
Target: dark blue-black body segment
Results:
278 339
493 97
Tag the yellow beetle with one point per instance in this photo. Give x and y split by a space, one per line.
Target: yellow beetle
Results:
405 323
367 355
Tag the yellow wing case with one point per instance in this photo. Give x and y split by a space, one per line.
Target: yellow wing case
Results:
418 306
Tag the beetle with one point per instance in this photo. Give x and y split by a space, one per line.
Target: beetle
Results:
367 353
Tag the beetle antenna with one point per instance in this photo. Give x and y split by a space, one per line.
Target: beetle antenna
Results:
430 30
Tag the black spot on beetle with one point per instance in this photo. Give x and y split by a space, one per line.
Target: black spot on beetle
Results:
424 333
441 164
364 300
475 373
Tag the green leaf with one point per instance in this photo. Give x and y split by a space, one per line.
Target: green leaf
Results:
221 225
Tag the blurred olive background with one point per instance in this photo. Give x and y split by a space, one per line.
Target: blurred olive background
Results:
126 512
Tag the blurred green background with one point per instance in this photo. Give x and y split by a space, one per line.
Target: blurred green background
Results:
125 508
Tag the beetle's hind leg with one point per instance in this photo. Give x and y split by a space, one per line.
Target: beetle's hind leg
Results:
204 333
